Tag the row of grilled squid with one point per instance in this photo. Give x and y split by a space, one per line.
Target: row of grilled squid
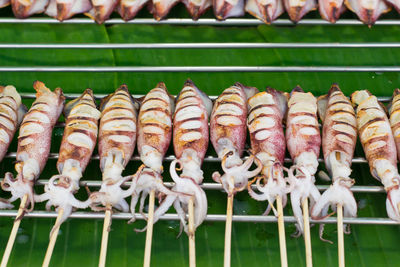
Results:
191 120
265 10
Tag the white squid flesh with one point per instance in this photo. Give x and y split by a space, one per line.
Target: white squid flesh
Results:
129 8
196 8
368 11
331 10
265 10
65 9
224 9
161 8
298 8
102 9
25 8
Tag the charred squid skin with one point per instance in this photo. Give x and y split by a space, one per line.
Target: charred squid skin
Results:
23 9
379 146
303 142
34 142
117 140
339 134
224 9
77 145
11 114
65 9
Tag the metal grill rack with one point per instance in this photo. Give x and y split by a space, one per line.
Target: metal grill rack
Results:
213 22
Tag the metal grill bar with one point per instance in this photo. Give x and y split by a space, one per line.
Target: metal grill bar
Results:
210 217
199 45
203 21
206 69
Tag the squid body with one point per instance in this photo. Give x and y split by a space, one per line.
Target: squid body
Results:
190 138
102 9
265 10
228 136
34 141
25 8
331 10
161 8
196 8
77 145
266 113
65 9
368 11
303 141
129 8
117 140
224 9
298 8
379 146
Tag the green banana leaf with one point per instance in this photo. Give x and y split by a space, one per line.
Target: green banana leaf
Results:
254 244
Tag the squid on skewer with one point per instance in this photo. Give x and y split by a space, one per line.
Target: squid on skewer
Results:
65 9
265 123
190 144
224 9
129 8
379 146
303 141
394 112
298 8
368 11
77 145
153 139
339 136
34 142
197 8
11 113
331 10
117 140
102 9
25 8
267 11
161 8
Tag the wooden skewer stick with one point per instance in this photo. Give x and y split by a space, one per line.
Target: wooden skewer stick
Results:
281 229
53 239
13 234
307 237
149 232
104 239
340 235
192 244
228 231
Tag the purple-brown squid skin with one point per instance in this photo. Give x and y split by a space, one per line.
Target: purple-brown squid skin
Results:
228 136
368 11
34 142
265 122
224 9
65 9
117 140
25 8
303 140
128 9
339 136
102 10
11 114
379 146
331 10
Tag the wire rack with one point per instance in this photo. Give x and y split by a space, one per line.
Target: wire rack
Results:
213 22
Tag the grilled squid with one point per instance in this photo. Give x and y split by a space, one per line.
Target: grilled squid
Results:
117 140
65 9
267 11
34 142
25 8
129 8
228 136
197 8
394 112
303 142
77 145
395 4
4 3
331 10
161 8
379 146
153 139
298 8
266 113
368 11
224 9
102 9
339 136
190 144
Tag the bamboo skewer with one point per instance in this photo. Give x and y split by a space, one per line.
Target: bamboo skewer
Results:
104 239
228 231
281 229
149 232
192 244
307 237
14 230
53 239
340 235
